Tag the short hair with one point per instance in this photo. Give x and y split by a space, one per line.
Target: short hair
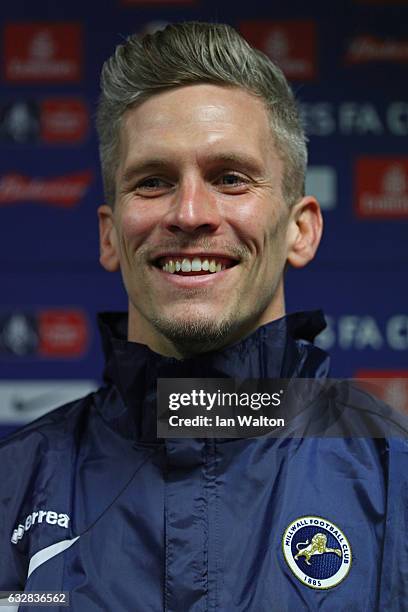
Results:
190 53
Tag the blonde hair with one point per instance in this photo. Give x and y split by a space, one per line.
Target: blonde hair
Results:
194 52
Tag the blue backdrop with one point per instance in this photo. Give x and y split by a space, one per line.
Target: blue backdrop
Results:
347 62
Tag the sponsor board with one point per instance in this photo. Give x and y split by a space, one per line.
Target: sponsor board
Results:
291 44
353 118
364 332
45 334
367 48
381 188
321 181
389 385
62 333
42 52
23 401
20 122
64 120
51 121
63 191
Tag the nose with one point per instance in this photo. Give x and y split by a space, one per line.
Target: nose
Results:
194 208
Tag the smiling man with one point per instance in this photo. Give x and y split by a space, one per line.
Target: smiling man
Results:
200 225
203 160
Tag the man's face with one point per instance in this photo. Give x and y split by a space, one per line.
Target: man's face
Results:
198 189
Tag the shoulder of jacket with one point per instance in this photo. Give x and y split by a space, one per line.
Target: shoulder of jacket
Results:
367 407
52 429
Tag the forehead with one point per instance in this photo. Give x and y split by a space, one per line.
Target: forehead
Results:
197 119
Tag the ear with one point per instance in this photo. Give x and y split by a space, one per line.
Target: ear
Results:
304 231
108 257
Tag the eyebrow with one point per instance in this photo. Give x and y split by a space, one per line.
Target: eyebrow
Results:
143 167
237 160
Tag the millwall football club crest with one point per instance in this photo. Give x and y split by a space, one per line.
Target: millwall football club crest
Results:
317 552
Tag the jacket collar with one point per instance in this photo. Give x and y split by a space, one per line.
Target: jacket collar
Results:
280 349
273 350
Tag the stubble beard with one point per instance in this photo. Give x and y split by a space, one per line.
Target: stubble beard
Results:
191 337
202 334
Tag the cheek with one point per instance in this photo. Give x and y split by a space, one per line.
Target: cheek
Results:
137 224
256 224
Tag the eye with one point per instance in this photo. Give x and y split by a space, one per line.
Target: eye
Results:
151 187
233 181
151 183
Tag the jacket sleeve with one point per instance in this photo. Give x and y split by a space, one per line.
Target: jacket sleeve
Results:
15 478
394 574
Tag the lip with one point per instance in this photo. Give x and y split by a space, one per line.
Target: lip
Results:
192 281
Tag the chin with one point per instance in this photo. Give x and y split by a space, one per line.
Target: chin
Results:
191 314
195 334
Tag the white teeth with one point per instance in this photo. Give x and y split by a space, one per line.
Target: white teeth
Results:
186 265
196 265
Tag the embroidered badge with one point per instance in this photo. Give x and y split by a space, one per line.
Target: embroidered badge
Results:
317 552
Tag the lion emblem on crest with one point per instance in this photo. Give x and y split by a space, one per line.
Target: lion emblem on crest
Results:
318 546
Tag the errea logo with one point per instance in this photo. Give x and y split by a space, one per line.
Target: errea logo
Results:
47 516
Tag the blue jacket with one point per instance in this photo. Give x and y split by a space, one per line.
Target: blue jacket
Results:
91 502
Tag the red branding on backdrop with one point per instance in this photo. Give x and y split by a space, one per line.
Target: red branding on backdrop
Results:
389 385
290 44
63 120
366 48
63 191
381 187
62 333
42 52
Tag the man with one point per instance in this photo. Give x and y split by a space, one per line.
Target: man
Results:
203 158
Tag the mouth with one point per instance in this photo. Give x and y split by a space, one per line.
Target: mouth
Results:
194 265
